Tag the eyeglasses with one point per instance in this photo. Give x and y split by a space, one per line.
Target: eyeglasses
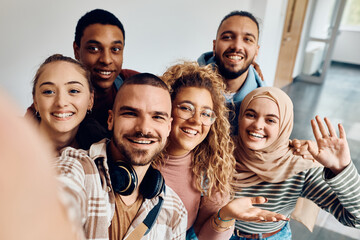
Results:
187 111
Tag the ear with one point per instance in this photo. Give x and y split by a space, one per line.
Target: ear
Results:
214 43
257 52
35 105
91 101
110 120
76 51
169 127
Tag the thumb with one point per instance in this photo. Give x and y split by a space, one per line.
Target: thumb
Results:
258 200
312 148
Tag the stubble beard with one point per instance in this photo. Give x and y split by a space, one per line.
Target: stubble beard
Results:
229 74
138 157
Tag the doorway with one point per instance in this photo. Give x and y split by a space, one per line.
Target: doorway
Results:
319 42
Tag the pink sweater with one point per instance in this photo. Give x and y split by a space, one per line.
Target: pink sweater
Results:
178 175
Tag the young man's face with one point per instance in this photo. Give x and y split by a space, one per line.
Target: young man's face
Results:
236 46
101 51
140 122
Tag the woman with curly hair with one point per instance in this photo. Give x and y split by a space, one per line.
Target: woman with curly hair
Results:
198 162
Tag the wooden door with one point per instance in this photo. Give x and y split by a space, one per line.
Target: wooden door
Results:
295 15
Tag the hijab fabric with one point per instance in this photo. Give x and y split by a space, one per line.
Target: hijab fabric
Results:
276 162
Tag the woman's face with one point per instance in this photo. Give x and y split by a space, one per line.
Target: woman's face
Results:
62 97
259 127
185 135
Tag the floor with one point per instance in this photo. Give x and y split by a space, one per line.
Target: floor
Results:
338 98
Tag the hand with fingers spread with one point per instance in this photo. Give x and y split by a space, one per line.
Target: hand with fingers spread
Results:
332 151
243 209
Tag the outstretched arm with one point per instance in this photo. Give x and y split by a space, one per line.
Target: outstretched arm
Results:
243 209
332 151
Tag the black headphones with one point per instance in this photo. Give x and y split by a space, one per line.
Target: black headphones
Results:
124 179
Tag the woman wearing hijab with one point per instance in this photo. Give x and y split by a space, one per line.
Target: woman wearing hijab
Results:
266 165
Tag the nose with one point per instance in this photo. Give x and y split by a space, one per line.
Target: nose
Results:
143 126
196 118
259 124
237 44
61 99
106 57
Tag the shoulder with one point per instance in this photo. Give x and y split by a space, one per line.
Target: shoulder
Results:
172 203
126 73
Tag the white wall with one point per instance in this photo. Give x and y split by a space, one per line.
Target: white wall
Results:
347 47
158 32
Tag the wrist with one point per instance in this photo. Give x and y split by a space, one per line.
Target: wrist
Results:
223 217
221 226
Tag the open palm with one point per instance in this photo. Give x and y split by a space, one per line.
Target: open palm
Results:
243 209
331 151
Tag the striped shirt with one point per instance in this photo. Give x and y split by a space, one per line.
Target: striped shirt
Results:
338 195
88 195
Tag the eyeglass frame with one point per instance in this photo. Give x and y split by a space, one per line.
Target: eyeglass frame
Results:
193 112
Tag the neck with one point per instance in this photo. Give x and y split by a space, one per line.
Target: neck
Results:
102 92
234 85
173 151
60 140
140 172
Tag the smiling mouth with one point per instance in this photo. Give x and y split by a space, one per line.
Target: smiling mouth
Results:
62 115
257 135
237 58
104 72
189 131
141 141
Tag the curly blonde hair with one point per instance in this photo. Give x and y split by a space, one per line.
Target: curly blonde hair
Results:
213 163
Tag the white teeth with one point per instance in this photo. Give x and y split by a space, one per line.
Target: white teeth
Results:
105 72
236 57
142 142
256 135
193 132
63 115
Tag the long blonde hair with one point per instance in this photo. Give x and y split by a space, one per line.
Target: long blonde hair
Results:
213 163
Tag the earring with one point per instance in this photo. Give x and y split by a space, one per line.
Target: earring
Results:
89 111
37 114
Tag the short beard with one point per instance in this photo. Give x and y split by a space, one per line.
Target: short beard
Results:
227 74
137 157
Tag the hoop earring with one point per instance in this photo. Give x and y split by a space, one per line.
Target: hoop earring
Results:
89 111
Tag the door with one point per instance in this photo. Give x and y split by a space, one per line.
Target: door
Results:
295 15
324 21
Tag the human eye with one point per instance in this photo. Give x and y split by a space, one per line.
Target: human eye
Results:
207 113
186 107
159 118
74 91
249 39
226 37
249 115
272 120
47 92
93 49
117 49
128 114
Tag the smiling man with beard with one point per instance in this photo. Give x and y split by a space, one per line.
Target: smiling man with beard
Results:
111 188
234 50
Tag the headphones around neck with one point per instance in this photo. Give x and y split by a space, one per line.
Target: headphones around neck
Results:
124 179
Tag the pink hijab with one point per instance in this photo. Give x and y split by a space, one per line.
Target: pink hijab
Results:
276 162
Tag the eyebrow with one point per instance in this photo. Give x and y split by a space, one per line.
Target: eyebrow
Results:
68 83
189 102
231 32
128 108
99 43
267 115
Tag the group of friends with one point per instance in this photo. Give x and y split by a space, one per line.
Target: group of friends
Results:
201 152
